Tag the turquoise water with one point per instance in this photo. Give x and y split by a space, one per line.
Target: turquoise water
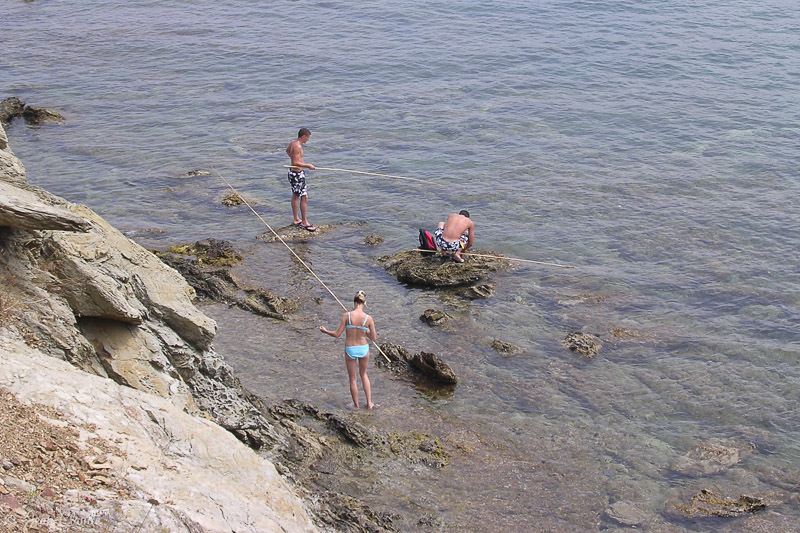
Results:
653 145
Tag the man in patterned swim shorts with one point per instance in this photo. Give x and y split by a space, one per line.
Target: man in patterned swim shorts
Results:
297 179
456 235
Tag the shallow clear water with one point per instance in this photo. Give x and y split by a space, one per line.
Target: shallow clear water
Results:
653 145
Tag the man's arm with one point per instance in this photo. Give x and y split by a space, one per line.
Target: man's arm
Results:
471 240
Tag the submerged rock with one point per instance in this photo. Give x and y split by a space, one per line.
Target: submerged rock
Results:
505 348
373 239
477 292
433 317
708 503
628 514
196 173
708 458
439 271
585 344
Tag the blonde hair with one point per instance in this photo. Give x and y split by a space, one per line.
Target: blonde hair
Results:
360 298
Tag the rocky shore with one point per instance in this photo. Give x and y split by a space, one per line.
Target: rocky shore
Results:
104 338
118 414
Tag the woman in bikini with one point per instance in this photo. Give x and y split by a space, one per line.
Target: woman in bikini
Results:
357 326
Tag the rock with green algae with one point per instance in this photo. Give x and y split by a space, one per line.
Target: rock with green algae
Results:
708 503
210 252
293 233
233 199
476 292
440 271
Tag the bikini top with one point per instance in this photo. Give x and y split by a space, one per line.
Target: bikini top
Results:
362 326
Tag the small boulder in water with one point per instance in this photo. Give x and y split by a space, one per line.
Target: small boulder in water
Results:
373 239
585 344
505 348
197 172
233 199
13 107
426 363
708 503
433 317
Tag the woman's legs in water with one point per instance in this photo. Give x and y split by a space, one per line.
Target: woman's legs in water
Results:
352 374
362 370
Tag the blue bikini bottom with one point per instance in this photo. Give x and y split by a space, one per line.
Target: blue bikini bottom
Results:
357 352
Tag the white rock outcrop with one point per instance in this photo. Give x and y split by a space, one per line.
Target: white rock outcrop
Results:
203 477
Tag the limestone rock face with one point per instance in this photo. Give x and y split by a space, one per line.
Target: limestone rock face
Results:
22 209
192 466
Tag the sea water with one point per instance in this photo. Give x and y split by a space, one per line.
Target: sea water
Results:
652 145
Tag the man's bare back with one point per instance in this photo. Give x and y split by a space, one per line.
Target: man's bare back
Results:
456 225
455 235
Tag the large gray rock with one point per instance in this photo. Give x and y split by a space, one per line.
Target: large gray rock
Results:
194 468
22 209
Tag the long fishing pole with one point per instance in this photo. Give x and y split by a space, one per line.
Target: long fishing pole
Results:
372 174
503 257
293 253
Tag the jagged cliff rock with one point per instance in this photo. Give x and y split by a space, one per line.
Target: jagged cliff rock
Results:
77 289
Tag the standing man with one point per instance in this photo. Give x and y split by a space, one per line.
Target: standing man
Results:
456 235
297 179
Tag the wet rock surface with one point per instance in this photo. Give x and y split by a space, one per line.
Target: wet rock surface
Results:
221 285
294 233
628 514
197 173
477 292
710 503
233 199
373 239
505 348
210 252
710 457
585 344
439 271
13 107
317 444
433 317
426 364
